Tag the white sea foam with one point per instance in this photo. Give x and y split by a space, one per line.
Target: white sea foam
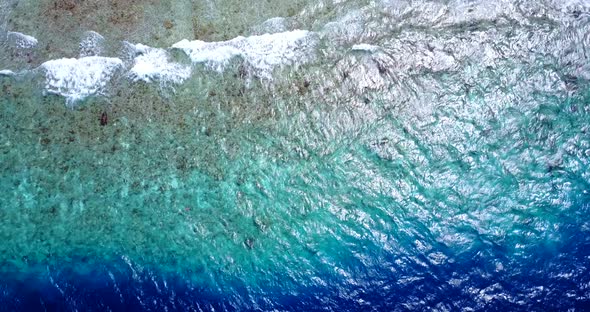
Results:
75 79
262 53
216 54
153 64
6 72
21 41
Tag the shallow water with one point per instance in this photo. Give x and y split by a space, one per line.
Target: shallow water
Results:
395 156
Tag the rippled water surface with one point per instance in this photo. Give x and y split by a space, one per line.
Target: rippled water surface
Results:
312 155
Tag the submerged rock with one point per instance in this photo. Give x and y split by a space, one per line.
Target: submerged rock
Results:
60 25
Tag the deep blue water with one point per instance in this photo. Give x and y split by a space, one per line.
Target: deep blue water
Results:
545 278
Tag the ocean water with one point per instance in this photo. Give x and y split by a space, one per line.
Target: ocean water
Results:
311 155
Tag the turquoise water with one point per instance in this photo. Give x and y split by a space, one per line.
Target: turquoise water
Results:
446 169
